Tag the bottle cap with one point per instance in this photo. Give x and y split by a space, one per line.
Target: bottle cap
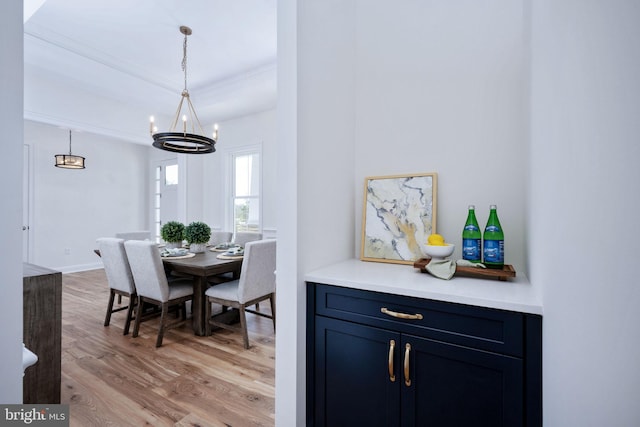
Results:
472 207
492 207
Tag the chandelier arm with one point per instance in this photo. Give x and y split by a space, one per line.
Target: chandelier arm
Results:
190 114
178 110
193 111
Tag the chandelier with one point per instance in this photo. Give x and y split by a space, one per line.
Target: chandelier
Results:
69 161
187 140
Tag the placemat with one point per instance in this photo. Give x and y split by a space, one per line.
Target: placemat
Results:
214 249
189 255
223 256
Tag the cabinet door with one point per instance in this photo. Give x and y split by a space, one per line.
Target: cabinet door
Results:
353 385
453 385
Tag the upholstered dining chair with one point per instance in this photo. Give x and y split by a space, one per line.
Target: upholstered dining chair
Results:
257 282
119 277
218 237
242 237
152 286
133 235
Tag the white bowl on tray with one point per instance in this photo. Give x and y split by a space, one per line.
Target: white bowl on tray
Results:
437 251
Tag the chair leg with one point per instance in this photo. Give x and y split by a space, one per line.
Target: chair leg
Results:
127 324
136 325
163 320
107 318
119 299
243 326
272 301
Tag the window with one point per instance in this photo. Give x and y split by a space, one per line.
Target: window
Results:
165 188
171 175
245 190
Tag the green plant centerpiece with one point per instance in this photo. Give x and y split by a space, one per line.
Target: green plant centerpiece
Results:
197 234
172 233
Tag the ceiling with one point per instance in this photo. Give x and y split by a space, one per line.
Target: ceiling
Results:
105 66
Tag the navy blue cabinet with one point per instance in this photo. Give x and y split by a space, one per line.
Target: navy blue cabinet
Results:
387 360
352 385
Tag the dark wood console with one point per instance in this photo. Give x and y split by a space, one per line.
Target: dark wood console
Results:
42 329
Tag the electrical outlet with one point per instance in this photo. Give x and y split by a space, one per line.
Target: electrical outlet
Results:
67 251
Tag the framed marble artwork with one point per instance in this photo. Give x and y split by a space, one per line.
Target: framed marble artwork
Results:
398 216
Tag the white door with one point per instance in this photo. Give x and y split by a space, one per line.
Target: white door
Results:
26 197
166 194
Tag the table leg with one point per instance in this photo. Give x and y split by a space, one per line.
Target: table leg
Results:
197 305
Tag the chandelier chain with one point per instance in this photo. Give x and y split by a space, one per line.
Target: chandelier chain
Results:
184 61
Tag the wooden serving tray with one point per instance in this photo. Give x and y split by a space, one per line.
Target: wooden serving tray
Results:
478 272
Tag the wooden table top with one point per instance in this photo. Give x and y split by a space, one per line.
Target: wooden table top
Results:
203 264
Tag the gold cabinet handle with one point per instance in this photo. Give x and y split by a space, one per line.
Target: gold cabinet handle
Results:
416 316
392 346
407 378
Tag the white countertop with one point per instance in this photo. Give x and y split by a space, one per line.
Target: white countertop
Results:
515 294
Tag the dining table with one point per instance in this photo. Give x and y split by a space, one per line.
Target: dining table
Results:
201 267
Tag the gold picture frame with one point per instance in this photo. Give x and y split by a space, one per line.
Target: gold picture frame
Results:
398 215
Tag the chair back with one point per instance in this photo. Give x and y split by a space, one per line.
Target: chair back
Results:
116 264
134 235
242 237
257 276
218 237
148 271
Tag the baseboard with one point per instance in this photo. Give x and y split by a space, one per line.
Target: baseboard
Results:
79 267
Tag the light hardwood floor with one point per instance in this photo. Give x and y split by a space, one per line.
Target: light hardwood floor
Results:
109 379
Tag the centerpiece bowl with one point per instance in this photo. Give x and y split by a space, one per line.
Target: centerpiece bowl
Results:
439 251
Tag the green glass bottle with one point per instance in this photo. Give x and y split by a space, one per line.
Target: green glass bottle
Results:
471 237
493 247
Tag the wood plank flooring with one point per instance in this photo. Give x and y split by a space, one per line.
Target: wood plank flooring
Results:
109 379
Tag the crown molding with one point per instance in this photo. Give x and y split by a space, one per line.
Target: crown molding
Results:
65 122
66 48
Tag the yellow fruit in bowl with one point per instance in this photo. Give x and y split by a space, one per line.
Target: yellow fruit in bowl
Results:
436 240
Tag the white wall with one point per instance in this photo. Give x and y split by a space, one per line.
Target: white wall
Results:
585 197
72 208
441 89
290 367
116 116
316 72
11 84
